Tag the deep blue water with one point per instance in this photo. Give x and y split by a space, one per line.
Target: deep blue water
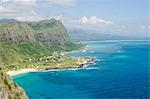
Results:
121 71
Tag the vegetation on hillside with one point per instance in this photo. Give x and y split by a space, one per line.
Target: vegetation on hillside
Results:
24 55
21 42
9 89
33 45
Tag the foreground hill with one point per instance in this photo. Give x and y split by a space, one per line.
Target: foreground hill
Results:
8 89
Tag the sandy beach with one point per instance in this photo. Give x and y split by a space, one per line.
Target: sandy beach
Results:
55 68
21 71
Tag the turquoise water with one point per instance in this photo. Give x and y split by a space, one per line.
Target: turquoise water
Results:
120 72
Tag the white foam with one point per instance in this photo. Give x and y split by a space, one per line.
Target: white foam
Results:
91 51
98 60
84 51
92 68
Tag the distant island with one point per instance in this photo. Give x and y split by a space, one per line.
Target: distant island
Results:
79 35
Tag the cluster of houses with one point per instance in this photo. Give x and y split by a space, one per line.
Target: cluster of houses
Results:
55 57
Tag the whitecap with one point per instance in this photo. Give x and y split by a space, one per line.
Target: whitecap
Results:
91 51
84 51
91 68
98 60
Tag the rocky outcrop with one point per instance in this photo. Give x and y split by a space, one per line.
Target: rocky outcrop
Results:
9 89
15 33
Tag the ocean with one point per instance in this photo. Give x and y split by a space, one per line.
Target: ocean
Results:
120 71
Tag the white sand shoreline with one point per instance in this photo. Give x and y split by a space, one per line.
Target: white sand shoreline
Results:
21 71
28 70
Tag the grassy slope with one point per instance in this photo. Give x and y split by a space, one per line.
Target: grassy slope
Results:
15 57
8 89
17 53
21 42
19 48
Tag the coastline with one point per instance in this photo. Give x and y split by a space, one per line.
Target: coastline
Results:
28 70
53 68
57 68
21 71
112 41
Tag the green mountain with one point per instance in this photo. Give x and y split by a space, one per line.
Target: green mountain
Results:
50 32
21 41
22 44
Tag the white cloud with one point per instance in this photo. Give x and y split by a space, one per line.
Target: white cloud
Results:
18 3
58 17
25 9
3 10
17 8
5 0
84 22
92 21
62 2
145 27
31 16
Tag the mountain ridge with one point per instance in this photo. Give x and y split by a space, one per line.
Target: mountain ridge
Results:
80 35
21 42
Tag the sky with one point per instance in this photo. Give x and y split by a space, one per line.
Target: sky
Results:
124 17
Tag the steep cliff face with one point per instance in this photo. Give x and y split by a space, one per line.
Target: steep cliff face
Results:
20 41
10 90
15 33
50 32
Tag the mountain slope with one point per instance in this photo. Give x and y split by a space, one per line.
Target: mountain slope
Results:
22 44
22 41
8 89
15 33
50 32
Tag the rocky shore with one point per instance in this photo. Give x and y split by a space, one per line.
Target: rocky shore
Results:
81 65
51 68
